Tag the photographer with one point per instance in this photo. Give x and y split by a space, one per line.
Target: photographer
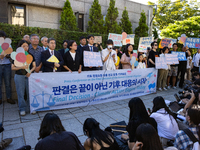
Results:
196 59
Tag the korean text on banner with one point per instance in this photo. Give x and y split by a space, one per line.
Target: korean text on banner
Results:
181 55
171 59
117 39
192 42
67 90
97 39
128 41
92 59
161 63
164 43
144 43
172 42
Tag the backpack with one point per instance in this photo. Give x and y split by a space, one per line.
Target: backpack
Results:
195 141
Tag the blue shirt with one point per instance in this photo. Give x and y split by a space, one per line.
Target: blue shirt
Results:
36 53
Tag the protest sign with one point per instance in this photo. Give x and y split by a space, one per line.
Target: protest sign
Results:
192 42
97 39
60 90
117 39
181 55
135 53
92 59
161 63
171 59
144 43
172 42
130 36
128 41
164 43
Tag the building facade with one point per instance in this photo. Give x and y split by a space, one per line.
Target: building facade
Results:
46 13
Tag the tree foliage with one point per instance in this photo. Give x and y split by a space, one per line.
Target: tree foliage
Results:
169 12
155 33
190 27
142 29
68 19
125 22
96 23
111 25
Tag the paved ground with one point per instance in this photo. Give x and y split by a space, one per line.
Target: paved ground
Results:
25 130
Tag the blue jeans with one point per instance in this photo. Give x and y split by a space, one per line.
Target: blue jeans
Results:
5 72
21 83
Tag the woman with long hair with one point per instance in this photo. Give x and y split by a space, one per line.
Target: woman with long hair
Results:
54 136
126 57
21 79
167 125
182 140
138 115
97 138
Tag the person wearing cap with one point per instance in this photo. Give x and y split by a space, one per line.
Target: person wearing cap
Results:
5 73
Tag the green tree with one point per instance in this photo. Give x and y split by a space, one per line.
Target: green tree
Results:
96 23
190 27
68 19
155 33
169 12
142 29
111 25
125 22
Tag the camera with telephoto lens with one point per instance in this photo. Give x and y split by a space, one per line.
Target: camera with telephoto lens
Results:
189 88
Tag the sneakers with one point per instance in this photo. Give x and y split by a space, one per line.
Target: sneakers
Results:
160 89
10 101
164 89
168 87
33 112
22 113
174 87
4 143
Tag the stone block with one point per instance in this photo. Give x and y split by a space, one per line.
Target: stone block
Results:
36 2
78 6
132 6
29 117
119 4
103 2
89 1
43 25
124 111
86 113
54 3
116 116
16 143
104 10
12 133
87 8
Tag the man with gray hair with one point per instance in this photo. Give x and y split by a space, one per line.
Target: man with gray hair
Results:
36 51
44 41
26 38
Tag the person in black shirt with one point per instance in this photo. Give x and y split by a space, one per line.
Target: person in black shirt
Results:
152 54
97 138
54 136
138 115
21 80
72 58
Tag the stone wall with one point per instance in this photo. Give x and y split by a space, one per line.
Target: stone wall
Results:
46 13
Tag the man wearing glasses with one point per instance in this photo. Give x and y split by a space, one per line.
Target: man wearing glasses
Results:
36 51
152 54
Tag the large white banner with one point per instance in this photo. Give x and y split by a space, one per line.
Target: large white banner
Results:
60 90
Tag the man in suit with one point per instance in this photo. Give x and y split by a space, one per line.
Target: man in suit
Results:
90 48
44 41
82 40
63 51
51 66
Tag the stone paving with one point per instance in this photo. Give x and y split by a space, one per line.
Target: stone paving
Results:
25 130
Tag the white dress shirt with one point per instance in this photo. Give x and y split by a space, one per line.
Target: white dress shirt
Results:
196 59
109 63
50 51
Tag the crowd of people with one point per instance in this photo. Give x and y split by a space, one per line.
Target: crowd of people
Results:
144 129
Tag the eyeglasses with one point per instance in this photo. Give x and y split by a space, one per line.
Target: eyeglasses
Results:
34 39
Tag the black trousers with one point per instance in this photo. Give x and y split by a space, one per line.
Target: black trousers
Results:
182 70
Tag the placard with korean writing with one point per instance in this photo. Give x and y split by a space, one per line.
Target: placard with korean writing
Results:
192 42
181 55
92 59
171 59
144 43
60 90
172 42
117 39
97 39
161 63
164 43
128 41
130 36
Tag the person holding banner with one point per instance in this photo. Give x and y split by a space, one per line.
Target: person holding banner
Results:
162 73
109 57
126 57
90 48
72 58
152 54
21 79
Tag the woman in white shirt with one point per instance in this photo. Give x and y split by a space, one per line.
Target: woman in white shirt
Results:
166 123
141 62
109 57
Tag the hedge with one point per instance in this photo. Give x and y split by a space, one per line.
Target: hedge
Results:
16 33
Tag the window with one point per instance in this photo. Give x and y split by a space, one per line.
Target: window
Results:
80 20
17 14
